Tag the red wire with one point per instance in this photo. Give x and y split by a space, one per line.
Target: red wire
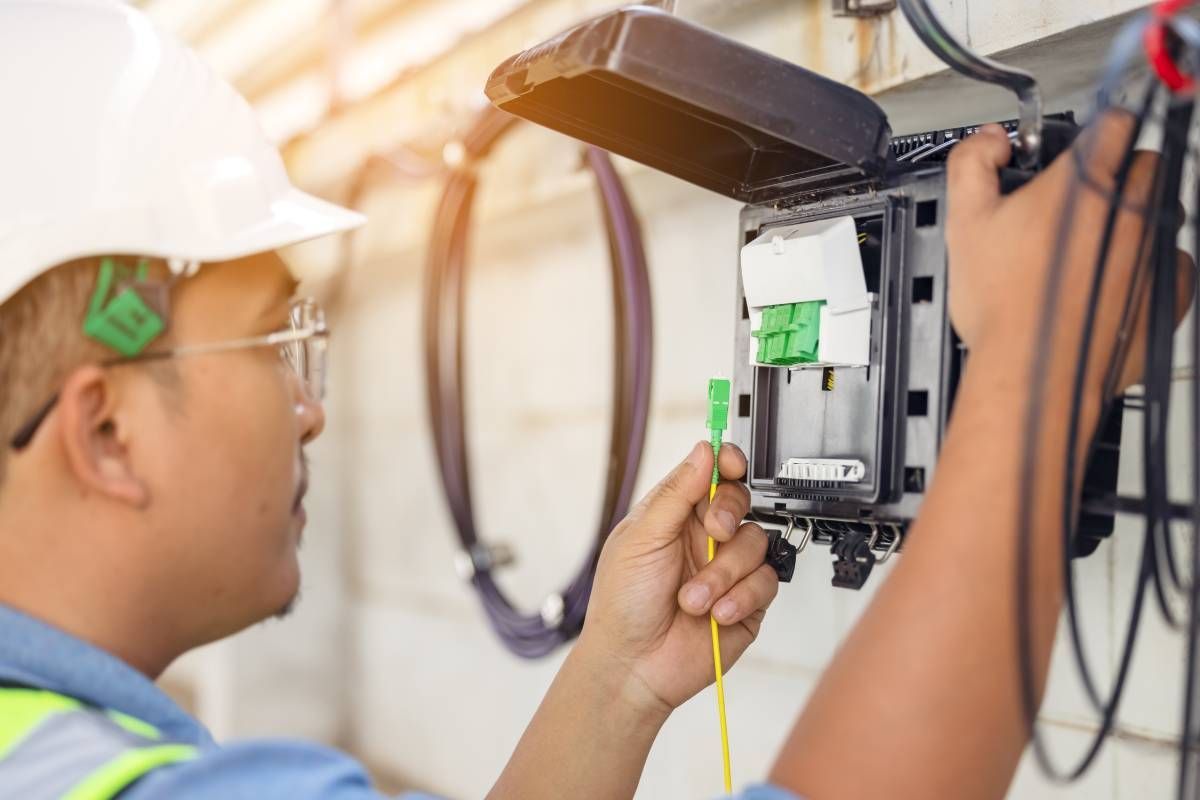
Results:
1156 48
1170 7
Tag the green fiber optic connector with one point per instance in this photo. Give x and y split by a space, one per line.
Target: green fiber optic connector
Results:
718 404
718 419
790 333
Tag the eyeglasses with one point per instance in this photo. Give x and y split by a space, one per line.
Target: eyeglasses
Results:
303 347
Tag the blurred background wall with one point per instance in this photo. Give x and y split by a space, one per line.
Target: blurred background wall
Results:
388 654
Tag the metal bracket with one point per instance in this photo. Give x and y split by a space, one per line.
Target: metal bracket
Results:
804 540
896 536
862 8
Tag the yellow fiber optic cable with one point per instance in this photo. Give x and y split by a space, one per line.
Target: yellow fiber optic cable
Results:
716 640
718 420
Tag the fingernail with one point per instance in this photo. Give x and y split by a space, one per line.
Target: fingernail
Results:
725 520
697 596
697 457
725 610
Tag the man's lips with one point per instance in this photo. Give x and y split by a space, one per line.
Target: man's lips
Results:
301 490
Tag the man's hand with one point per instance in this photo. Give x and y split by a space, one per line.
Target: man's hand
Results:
654 589
647 645
1000 246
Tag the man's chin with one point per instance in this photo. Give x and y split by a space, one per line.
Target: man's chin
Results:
293 589
287 608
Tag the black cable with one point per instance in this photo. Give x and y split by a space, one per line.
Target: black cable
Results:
1128 43
532 635
1135 297
1164 233
1189 769
1158 563
1159 357
965 61
1149 558
1070 509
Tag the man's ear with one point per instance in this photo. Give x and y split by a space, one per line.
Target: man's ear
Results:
95 445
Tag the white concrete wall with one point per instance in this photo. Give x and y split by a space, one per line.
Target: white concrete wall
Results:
390 654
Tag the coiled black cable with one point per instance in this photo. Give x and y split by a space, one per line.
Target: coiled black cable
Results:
532 635
1160 351
1157 565
1070 506
1028 689
1189 771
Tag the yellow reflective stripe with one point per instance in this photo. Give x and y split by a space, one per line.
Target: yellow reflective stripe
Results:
22 710
126 768
134 725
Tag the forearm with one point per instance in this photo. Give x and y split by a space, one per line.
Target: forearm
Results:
929 676
589 738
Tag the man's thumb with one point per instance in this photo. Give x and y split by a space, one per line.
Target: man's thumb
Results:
663 512
973 175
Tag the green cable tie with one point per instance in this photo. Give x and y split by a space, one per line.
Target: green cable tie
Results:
125 323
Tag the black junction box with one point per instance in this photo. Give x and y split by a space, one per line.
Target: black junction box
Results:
797 148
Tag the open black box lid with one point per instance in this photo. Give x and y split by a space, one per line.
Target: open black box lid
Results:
650 86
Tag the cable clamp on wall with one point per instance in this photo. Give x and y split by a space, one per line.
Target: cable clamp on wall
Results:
481 557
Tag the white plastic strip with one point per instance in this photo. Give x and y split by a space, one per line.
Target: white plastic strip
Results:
836 470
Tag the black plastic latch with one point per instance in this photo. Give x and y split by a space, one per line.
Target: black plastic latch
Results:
854 560
1057 137
781 555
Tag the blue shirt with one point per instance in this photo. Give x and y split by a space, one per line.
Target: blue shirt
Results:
36 654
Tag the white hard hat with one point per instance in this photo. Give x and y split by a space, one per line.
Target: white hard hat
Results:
117 139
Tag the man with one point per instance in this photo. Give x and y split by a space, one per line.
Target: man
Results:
151 478
151 483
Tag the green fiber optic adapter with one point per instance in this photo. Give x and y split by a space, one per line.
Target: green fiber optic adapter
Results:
790 333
